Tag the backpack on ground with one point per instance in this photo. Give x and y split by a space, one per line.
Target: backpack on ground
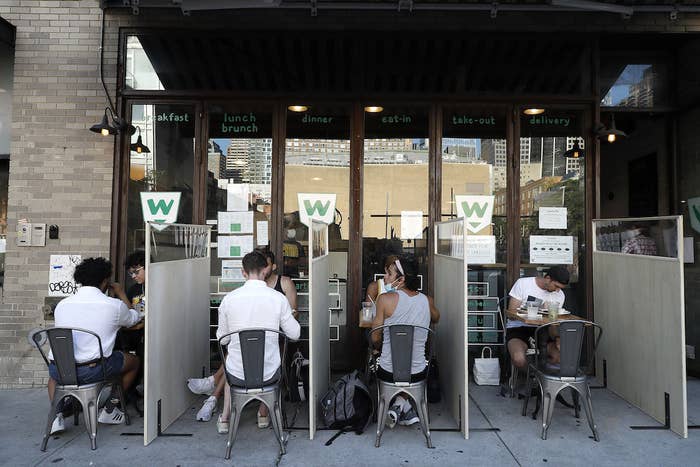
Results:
298 379
347 405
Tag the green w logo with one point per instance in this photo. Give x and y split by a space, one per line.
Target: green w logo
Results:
318 206
697 212
161 206
479 209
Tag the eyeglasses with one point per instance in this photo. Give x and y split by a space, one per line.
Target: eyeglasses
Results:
135 272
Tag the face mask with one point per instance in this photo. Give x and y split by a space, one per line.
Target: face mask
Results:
291 233
389 287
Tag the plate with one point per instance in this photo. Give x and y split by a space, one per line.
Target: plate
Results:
561 312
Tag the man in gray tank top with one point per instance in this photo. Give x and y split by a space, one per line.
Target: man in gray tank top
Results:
405 305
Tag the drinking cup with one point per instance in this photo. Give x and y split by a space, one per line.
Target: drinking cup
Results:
532 310
553 310
367 312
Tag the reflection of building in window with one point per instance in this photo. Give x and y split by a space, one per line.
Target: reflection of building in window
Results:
634 87
249 161
216 162
460 150
139 72
573 165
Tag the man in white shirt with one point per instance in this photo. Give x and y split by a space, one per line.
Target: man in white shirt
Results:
254 305
94 311
544 289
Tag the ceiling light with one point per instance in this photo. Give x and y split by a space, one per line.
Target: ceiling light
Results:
612 133
298 108
533 111
575 152
139 147
316 179
373 109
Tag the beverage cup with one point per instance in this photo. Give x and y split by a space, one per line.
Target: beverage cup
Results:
367 312
553 310
532 310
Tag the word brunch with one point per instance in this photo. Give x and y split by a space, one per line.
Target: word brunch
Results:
239 123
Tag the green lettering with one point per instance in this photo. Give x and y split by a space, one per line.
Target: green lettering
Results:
476 207
316 207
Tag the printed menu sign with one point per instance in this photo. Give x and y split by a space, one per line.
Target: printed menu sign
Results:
549 249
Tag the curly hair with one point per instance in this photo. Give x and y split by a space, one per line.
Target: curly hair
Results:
91 272
137 258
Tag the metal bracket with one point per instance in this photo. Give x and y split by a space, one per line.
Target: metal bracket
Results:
673 14
314 8
494 10
406 4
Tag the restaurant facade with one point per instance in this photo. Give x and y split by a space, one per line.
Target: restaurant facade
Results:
392 115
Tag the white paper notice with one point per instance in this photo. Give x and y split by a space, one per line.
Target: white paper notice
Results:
237 195
235 222
552 218
232 270
411 224
61 269
688 250
481 249
549 249
234 246
261 231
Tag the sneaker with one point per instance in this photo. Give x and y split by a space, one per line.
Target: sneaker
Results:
393 416
263 421
115 417
208 408
221 426
58 424
201 385
409 418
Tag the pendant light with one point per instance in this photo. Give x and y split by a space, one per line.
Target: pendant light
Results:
138 146
575 152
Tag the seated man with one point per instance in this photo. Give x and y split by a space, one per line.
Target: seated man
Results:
546 289
254 305
215 384
404 305
91 309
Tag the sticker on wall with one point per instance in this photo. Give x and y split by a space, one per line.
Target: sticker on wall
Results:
160 207
61 269
316 206
550 249
694 213
235 222
476 211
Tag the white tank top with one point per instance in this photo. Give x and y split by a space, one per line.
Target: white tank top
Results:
409 310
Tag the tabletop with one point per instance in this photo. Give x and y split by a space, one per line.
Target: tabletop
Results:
542 319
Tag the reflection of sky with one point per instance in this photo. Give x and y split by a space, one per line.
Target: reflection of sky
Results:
632 74
223 143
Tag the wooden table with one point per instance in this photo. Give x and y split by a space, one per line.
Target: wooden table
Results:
542 319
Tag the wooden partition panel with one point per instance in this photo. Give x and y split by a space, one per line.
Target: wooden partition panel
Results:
451 332
319 321
177 338
639 303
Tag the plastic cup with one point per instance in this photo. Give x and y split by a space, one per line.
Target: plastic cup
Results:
367 314
532 310
553 310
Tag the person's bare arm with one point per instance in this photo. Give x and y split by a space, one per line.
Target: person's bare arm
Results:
382 303
290 291
434 313
514 304
118 292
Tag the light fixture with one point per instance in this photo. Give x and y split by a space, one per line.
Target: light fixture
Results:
316 179
612 133
533 111
298 108
575 152
104 128
373 109
139 147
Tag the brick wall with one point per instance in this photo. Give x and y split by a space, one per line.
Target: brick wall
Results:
62 174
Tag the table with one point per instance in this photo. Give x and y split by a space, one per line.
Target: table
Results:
541 320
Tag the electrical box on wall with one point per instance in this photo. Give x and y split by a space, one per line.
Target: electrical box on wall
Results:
29 234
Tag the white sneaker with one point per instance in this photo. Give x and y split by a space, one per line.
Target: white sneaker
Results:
208 408
393 416
221 426
263 421
58 424
114 418
201 385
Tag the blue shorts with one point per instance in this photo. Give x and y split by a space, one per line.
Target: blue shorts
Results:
93 373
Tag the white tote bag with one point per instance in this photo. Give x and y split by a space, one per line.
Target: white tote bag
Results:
487 371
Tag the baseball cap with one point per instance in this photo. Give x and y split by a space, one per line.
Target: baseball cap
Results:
559 274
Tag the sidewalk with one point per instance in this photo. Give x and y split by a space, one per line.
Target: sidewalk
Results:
23 417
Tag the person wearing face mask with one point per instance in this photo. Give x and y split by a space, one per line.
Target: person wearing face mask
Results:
388 283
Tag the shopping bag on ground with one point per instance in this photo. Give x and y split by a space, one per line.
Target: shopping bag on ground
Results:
487 370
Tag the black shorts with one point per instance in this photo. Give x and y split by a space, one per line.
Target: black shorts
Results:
524 333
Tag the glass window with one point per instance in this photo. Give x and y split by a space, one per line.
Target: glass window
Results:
474 168
632 79
139 71
552 198
167 130
395 187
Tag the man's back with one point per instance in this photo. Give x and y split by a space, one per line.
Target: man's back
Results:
91 309
255 305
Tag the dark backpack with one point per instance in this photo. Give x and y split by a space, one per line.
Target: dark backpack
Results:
347 405
298 378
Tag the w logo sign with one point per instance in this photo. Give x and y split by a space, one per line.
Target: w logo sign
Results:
694 213
477 211
316 206
160 207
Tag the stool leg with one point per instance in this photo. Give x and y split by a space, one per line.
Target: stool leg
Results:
49 423
381 417
122 400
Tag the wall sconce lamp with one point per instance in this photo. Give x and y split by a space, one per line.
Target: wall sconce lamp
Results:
138 146
612 133
104 127
575 152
